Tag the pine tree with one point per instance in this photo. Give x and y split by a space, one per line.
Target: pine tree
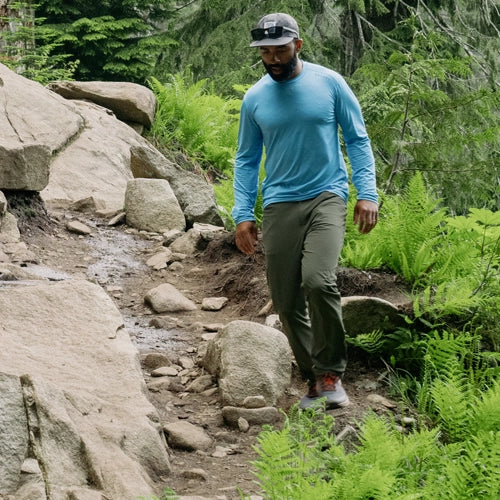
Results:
112 40
29 48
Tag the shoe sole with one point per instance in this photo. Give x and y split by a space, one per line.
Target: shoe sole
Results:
317 404
333 406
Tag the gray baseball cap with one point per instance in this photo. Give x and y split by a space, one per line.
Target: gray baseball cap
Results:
275 29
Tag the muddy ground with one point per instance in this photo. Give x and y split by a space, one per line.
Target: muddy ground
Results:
115 258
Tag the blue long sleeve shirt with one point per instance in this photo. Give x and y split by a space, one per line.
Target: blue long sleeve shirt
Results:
296 122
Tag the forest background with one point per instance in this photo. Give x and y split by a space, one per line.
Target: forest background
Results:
426 75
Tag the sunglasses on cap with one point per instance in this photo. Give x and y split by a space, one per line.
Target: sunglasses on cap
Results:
271 32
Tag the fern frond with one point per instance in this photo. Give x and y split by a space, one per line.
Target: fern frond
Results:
370 342
486 413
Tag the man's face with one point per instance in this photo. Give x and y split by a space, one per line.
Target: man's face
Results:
281 61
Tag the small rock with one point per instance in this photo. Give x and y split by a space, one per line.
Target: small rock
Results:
176 267
243 425
381 400
210 392
166 297
186 436
200 384
117 219
254 402
408 421
347 431
165 371
77 227
162 323
273 321
170 236
266 309
195 474
254 416
213 303
367 385
186 363
221 452
155 360
160 384
160 260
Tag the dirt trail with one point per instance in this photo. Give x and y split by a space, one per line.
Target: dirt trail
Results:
115 258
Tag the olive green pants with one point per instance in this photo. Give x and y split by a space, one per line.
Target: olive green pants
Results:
302 243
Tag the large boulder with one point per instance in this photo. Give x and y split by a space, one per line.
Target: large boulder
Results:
35 123
77 153
249 359
130 102
151 205
196 197
95 166
71 386
363 314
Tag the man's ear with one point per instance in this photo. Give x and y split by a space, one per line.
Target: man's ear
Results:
298 44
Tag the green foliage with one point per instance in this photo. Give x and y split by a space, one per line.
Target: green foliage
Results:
412 103
452 262
114 40
455 449
192 118
406 236
385 464
28 48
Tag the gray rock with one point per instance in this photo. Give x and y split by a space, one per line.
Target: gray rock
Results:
186 436
3 204
151 205
155 360
213 303
249 359
200 384
26 142
198 474
254 416
196 197
84 400
243 424
160 260
14 432
78 227
166 298
130 102
365 314
254 402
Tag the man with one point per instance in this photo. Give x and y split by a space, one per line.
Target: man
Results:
294 113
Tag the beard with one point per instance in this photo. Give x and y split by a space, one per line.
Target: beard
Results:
286 70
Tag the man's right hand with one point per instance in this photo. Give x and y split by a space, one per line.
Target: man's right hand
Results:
246 237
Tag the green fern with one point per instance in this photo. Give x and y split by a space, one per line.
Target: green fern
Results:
190 118
372 342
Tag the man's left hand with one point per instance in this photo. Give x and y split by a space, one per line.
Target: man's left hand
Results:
365 215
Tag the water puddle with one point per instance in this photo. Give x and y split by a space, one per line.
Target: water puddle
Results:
116 255
147 338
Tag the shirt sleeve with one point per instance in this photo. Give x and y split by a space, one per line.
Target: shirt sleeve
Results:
246 167
359 151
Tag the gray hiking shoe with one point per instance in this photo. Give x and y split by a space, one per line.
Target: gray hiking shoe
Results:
329 386
310 399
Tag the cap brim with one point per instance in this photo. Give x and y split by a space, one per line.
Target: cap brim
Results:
271 42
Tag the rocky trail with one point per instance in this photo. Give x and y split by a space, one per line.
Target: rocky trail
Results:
115 257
